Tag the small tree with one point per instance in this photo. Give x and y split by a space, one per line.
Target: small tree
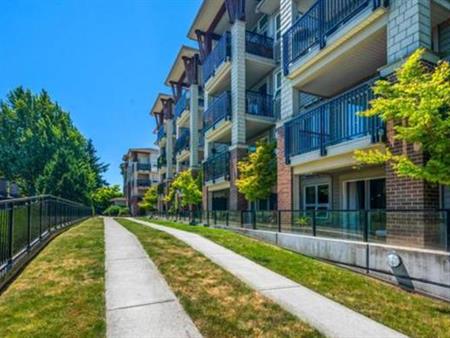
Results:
150 199
187 188
258 172
418 104
101 198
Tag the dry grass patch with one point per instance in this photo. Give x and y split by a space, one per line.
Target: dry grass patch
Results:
219 304
61 292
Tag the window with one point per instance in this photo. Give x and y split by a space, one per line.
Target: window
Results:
366 194
277 84
317 197
277 27
263 25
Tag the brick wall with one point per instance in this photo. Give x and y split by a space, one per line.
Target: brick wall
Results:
284 171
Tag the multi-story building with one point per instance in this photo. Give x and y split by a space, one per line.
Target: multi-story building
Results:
299 72
139 171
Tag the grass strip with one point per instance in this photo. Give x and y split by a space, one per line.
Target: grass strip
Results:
412 314
219 304
61 292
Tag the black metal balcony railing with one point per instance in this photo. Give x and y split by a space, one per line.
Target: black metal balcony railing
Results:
28 223
143 182
319 22
259 44
220 53
259 104
161 134
161 162
218 110
217 166
182 104
182 142
144 166
333 121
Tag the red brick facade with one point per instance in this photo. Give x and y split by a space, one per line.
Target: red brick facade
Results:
284 181
237 200
419 228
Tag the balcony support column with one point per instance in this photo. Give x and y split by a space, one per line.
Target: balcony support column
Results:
194 126
169 148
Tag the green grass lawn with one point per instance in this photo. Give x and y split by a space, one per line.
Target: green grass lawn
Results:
412 314
61 292
219 304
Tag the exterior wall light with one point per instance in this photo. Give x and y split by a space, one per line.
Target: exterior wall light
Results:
394 260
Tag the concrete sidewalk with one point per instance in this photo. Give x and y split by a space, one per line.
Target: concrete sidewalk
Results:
139 303
327 316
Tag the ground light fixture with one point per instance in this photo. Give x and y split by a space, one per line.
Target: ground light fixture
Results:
394 260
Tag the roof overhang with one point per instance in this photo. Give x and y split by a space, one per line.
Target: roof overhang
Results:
205 16
157 106
177 69
268 6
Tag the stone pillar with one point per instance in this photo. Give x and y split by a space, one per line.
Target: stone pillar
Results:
409 27
238 148
237 200
194 126
169 148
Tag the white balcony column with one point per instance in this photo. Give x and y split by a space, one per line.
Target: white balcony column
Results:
409 28
169 148
289 96
238 84
194 126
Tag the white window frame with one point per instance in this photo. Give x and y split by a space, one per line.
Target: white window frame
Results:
316 204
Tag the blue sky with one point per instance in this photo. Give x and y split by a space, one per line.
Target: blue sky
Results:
104 61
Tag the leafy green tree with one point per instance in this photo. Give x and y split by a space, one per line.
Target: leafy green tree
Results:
150 199
418 105
258 172
43 151
101 197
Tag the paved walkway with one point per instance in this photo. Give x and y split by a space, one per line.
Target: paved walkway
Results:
329 317
139 303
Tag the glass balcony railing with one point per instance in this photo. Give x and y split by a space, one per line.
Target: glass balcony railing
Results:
259 104
217 166
182 104
144 166
333 121
218 110
161 134
314 27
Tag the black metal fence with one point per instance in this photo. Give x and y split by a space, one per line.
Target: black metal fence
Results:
27 222
424 229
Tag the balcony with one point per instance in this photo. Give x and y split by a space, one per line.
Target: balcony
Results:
161 134
144 167
220 53
218 110
182 104
182 142
317 24
216 167
143 182
332 122
258 44
161 162
260 104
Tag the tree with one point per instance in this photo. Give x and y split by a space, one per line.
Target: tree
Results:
418 105
43 151
150 199
101 197
187 188
258 172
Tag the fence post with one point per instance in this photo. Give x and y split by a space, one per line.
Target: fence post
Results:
279 220
253 213
366 227
242 218
314 224
40 217
227 219
10 234
28 225
448 230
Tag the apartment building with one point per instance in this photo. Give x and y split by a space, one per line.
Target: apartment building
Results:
298 72
139 171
